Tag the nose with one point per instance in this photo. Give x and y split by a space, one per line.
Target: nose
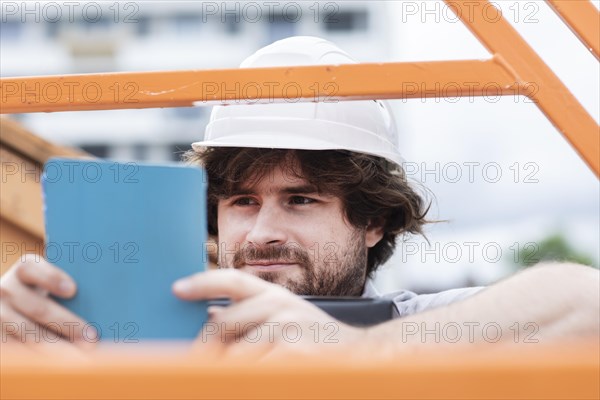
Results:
268 228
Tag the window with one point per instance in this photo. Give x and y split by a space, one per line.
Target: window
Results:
93 25
232 24
280 27
98 150
344 21
52 29
177 150
187 24
188 113
143 25
10 30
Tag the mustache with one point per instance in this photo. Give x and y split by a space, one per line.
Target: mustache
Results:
288 254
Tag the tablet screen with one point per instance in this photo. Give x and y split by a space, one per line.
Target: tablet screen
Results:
125 232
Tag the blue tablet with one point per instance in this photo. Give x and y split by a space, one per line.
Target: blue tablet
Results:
125 232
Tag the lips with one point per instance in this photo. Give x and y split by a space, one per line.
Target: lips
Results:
270 265
268 262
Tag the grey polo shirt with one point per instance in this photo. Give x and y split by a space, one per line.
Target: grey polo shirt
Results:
408 302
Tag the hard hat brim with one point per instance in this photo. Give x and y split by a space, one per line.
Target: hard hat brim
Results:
271 140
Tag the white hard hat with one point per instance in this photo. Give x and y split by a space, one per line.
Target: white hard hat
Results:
363 126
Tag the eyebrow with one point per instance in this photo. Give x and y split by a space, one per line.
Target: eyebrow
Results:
301 189
306 189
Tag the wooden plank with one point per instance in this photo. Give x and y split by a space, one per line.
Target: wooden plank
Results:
14 242
19 139
21 194
22 155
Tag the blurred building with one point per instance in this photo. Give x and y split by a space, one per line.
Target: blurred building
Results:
54 38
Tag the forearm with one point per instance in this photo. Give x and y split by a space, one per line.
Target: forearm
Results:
541 304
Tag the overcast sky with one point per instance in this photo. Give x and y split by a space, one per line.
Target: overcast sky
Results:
544 187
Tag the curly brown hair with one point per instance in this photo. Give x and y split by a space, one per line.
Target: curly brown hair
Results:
373 190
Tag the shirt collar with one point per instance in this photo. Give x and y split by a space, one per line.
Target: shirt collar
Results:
370 290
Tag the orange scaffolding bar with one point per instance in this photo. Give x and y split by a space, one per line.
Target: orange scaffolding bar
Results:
552 97
232 86
514 69
583 19
524 371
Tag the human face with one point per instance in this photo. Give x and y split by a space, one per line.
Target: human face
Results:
283 231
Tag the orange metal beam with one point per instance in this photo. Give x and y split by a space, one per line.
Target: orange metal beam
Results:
552 97
515 69
318 83
583 19
527 371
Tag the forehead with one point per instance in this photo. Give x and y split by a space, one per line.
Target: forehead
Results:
281 178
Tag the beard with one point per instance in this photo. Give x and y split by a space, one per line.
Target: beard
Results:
341 276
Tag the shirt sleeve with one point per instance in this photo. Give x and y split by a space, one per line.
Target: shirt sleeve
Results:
408 303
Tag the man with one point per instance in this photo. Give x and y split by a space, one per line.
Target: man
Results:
309 199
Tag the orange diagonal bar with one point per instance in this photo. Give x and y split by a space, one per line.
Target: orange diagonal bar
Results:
317 83
583 19
549 93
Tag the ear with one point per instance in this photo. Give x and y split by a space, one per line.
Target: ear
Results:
374 234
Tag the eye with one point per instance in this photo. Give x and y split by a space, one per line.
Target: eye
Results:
301 200
244 201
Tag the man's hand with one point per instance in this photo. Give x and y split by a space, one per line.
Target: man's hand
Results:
264 320
28 316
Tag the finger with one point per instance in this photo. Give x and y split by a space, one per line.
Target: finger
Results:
12 347
222 332
230 324
210 350
251 329
36 271
230 283
216 350
37 337
236 320
253 346
214 310
64 350
20 327
45 311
